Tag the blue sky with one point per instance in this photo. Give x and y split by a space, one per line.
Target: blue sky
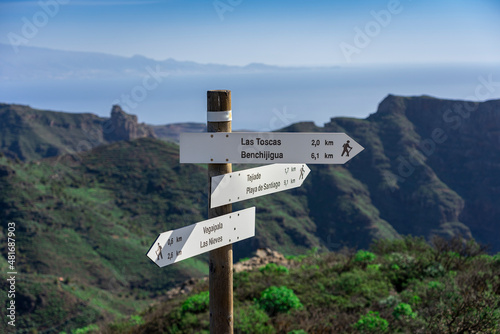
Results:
239 32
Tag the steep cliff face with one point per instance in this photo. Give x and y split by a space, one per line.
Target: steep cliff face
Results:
438 162
30 134
461 143
430 167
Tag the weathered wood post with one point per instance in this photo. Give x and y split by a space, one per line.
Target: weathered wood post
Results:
221 259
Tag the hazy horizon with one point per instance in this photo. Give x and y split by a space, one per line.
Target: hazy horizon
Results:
261 101
282 33
371 49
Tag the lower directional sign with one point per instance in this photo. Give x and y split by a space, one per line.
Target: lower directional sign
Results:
255 182
185 242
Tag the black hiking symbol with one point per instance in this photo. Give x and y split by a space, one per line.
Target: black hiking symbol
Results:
158 253
302 170
347 149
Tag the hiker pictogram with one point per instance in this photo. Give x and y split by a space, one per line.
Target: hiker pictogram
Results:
302 170
158 252
347 149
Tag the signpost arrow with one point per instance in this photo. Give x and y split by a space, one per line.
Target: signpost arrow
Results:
267 148
255 182
185 242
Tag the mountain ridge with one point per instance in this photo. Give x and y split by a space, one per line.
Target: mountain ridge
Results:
87 218
59 64
31 134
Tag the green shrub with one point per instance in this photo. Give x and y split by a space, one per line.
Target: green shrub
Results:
435 285
296 258
372 323
435 270
403 309
136 320
251 319
279 300
272 268
85 330
369 284
374 267
415 300
197 303
401 260
364 256
409 244
350 282
401 268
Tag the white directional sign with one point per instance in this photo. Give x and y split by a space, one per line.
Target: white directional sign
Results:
183 243
267 147
255 182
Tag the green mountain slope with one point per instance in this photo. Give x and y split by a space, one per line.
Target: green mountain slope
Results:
83 226
85 221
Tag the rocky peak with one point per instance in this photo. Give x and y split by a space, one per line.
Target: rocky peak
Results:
123 126
392 105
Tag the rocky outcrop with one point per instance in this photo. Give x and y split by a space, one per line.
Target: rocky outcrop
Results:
185 287
123 126
262 257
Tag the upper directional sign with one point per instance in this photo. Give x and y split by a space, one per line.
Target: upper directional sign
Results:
267 148
185 242
255 182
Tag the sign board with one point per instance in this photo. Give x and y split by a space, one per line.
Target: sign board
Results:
250 183
267 148
185 242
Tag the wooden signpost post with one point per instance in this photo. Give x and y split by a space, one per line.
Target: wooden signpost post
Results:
220 265
219 147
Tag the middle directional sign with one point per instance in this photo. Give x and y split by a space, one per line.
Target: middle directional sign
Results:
267 147
255 182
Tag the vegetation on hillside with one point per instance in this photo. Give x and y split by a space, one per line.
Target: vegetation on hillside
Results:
400 286
84 225
85 222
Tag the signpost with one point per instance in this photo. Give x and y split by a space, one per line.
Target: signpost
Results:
219 147
185 242
267 148
255 182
